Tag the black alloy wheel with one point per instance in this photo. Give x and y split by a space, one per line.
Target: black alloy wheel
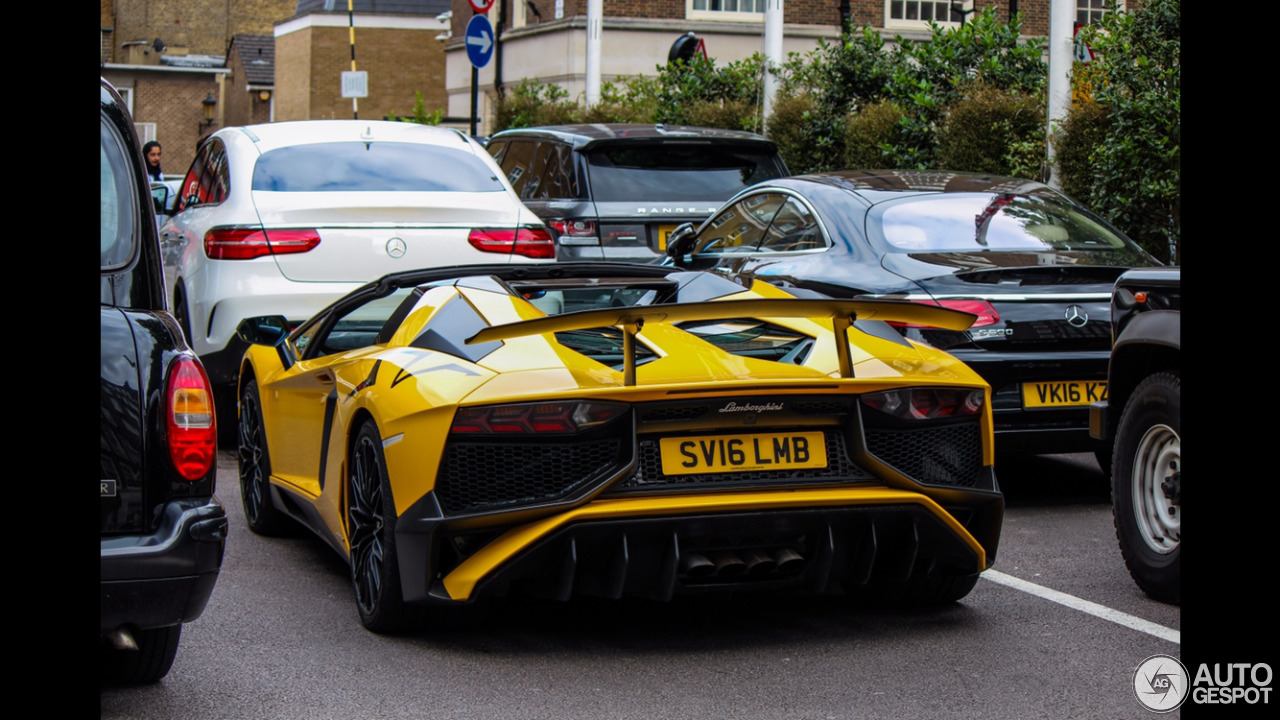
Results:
181 315
371 534
255 467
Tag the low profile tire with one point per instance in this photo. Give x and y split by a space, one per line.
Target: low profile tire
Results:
939 589
1145 486
262 517
151 661
371 523
182 315
1105 459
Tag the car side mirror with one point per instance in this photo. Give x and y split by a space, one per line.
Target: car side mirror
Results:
263 330
160 196
680 242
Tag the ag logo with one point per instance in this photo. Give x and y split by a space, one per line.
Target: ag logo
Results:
1161 683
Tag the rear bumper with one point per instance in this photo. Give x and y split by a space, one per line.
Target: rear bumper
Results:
657 547
166 577
607 253
1031 430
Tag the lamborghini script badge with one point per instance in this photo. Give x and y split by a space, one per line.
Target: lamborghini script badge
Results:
735 407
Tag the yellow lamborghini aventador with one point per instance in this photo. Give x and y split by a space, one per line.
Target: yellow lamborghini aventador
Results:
615 429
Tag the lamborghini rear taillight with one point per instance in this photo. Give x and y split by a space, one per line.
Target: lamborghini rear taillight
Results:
189 419
534 242
530 418
245 243
926 403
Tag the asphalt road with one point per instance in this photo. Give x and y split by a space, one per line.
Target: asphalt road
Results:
1056 630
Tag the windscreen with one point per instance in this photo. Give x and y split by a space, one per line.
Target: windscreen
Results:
678 171
974 222
373 167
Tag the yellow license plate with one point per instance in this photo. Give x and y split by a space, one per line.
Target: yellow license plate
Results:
1063 393
743 453
664 232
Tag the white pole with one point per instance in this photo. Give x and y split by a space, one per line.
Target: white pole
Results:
595 11
772 54
1061 22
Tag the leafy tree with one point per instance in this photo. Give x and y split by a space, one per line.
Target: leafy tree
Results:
420 114
532 103
867 134
994 131
1135 168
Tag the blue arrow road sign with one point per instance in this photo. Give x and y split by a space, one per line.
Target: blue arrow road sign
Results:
479 40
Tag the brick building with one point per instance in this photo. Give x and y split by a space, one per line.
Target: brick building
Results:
395 45
257 61
546 39
263 60
169 59
250 80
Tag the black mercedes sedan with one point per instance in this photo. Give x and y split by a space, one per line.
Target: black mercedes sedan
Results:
1034 266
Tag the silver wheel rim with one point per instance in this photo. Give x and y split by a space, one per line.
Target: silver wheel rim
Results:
1159 456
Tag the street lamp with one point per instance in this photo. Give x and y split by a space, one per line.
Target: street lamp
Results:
209 103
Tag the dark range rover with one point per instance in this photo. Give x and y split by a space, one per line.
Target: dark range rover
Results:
614 192
162 530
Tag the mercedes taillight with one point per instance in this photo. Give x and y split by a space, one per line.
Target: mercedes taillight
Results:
986 313
533 242
244 243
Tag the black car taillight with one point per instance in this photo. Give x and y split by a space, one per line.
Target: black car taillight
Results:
926 403
985 311
241 243
190 427
533 242
535 418
576 231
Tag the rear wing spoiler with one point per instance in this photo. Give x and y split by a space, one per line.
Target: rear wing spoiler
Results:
841 313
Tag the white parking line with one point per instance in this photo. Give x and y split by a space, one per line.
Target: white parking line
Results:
1091 608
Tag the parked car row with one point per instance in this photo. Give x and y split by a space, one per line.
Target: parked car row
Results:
284 218
610 360
1033 266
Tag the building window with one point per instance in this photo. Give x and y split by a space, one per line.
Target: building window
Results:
909 13
742 10
1091 11
519 14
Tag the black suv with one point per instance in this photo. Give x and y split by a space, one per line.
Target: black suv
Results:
1143 416
162 530
615 192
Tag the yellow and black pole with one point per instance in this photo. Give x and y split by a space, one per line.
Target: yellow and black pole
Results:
351 28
